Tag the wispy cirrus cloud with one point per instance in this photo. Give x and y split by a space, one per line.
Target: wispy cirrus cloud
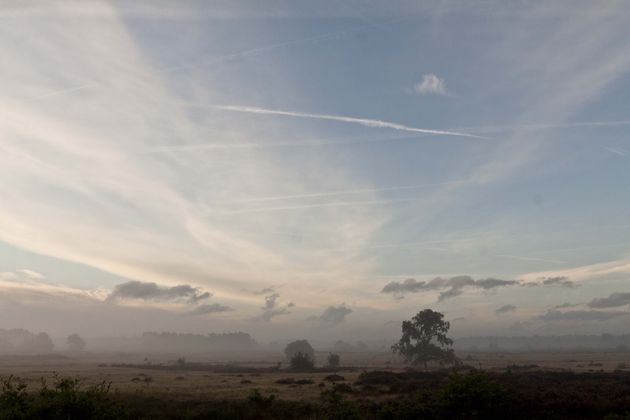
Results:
87 177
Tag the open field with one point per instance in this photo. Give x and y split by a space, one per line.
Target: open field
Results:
134 374
488 385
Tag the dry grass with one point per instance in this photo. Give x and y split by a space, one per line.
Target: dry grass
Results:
204 385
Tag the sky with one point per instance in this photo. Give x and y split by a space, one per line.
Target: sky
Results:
314 168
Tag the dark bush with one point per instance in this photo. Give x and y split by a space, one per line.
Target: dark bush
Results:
304 382
259 400
472 395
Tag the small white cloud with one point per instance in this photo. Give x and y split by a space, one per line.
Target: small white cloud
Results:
430 85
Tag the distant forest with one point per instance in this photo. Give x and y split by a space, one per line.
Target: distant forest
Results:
174 342
21 341
549 342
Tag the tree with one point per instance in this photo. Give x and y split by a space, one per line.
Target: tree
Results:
333 360
424 339
75 343
42 343
302 361
299 346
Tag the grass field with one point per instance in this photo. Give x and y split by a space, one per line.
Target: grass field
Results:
489 385
162 377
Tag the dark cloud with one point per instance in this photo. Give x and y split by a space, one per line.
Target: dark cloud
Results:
505 309
153 291
210 309
557 281
270 301
555 315
334 315
614 300
407 286
198 298
450 293
454 285
267 315
491 283
272 309
567 305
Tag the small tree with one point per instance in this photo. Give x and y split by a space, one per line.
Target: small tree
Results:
75 343
424 339
299 346
42 344
302 361
333 360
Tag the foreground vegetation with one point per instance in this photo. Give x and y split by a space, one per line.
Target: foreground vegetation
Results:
462 393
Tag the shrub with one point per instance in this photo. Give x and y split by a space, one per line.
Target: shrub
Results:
335 406
13 400
472 395
259 400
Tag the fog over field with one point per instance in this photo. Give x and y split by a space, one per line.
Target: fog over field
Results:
313 169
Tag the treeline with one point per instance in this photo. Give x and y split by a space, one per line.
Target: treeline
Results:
20 341
191 343
553 342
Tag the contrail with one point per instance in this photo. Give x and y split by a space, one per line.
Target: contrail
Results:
616 151
270 47
534 126
346 192
319 205
518 257
62 91
353 120
300 143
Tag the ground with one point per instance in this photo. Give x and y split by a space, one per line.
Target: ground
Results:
160 375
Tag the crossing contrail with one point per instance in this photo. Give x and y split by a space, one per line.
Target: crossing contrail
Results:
270 47
271 145
320 205
68 90
346 192
543 126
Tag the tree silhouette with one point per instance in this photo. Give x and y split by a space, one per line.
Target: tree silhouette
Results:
302 361
333 360
424 339
299 346
75 343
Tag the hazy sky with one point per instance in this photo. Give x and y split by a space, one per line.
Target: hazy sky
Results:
311 167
